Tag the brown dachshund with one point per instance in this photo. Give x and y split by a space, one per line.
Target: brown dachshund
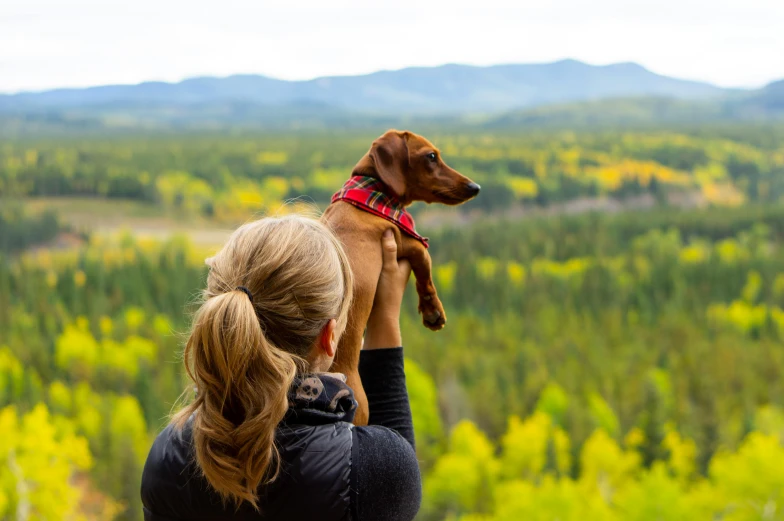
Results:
410 169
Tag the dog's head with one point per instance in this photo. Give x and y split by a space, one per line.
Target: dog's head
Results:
412 168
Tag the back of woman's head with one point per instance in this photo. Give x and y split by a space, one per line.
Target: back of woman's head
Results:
247 345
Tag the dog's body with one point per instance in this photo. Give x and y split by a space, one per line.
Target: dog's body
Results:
411 169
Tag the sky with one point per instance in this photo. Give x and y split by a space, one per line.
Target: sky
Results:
47 44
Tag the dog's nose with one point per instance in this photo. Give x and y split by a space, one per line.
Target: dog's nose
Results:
473 188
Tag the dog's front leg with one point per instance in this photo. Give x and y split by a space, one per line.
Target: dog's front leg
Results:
433 314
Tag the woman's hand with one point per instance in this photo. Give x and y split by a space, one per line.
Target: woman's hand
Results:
383 327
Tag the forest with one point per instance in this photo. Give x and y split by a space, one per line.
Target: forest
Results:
615 302
227 177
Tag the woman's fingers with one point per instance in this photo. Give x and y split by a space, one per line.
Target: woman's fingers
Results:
389 250
383 326
395 271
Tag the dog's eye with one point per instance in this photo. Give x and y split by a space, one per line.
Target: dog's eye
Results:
431 156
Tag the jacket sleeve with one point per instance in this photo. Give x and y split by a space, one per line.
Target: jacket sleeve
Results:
385 480
384 381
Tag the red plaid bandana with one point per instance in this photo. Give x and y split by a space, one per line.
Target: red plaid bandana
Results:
365 193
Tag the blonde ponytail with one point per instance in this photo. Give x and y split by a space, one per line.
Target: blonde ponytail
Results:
247 345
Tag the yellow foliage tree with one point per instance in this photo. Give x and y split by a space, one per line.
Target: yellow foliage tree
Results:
38 458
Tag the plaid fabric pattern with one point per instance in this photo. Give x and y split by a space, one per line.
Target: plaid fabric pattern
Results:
366 193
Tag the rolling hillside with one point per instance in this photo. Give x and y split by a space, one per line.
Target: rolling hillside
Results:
766 104
444 89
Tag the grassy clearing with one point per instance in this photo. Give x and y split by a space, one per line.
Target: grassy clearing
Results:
110 216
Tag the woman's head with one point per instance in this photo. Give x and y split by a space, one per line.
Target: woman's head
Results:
245 347
296 272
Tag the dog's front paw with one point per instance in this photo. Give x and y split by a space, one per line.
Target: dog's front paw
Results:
433 314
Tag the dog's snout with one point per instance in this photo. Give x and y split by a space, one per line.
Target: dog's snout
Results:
473 188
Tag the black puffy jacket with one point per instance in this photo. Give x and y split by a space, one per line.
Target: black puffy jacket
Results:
330 470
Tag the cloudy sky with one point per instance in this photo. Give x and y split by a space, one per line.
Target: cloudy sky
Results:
57 43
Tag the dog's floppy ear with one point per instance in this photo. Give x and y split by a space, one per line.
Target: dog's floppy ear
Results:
390 157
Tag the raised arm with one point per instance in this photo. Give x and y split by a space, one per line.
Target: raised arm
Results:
386 484
381 361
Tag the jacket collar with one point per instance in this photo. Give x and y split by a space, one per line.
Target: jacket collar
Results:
317 399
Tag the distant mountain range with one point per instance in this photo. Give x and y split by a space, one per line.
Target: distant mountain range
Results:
448 88
566 92
766 104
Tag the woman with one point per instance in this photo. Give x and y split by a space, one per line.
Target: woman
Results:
268 433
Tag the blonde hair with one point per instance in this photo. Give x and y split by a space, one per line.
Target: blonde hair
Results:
242 354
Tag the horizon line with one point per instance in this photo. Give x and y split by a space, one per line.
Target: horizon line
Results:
358 75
